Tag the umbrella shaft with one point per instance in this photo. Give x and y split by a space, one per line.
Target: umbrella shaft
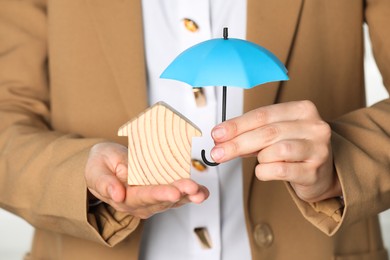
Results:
224 103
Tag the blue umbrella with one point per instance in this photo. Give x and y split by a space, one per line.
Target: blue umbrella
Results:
225 62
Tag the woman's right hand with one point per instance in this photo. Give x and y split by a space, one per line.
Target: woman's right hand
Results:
106 178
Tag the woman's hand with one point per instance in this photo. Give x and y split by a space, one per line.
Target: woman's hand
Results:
106 177
291 142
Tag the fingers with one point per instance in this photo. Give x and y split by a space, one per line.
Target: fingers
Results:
145 201
276 135
191 192
310 183
196 193
174 192
287 151
296 161
290 172
290 111
200 196
144 196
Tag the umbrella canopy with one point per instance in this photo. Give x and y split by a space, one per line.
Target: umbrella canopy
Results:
225 62
231 62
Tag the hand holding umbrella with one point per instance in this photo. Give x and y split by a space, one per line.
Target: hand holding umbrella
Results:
225 62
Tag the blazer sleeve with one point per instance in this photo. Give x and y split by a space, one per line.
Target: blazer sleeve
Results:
42 170
361 145
362 139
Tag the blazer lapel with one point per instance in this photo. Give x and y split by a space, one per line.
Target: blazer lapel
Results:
120 31
271 24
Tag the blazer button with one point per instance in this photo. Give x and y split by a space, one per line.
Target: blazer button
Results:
263 235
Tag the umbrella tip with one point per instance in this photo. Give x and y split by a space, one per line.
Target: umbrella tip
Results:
225 33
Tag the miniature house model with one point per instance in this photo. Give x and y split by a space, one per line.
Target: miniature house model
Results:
159 147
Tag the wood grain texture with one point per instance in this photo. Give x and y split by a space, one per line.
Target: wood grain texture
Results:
159 147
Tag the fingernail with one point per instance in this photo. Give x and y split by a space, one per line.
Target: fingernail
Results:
217 153
219 132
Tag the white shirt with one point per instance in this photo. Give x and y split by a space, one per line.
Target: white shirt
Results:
170 235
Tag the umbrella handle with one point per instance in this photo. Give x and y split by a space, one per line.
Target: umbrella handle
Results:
203 153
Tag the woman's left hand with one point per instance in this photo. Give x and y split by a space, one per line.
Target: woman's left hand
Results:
291 142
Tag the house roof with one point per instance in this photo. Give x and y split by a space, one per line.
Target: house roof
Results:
122 131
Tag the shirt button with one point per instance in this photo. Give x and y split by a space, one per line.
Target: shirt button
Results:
263 235
204 237
190 25
198 165
200 97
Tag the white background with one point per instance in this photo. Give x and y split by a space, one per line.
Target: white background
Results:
16 234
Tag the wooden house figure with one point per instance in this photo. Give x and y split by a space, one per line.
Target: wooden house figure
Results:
159 145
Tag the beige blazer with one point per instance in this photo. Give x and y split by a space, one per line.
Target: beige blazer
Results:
73 71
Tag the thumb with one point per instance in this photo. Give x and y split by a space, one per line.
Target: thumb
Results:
104 185
104 171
